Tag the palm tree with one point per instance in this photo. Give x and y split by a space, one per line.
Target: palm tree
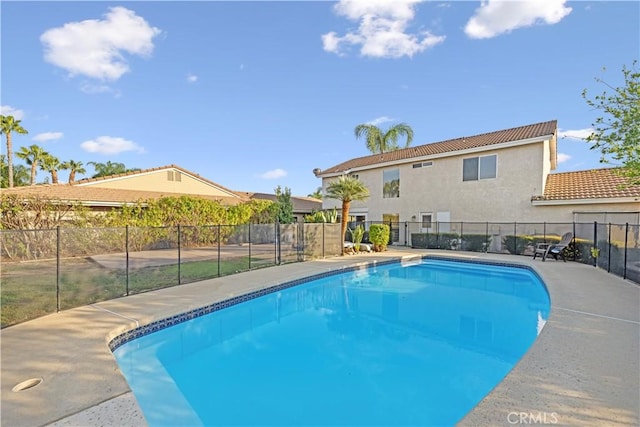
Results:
316 194
346 189
108 169
379 141
10 124
51 164
32 155
73 167
20 174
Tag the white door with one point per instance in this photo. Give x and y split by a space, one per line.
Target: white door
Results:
426 222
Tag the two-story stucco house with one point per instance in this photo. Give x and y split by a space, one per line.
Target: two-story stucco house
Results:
499 177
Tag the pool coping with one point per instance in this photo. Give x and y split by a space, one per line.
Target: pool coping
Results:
550 383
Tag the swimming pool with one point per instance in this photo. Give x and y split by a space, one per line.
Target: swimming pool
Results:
414 343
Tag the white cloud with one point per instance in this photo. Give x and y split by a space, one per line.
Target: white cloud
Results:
192 78
575 134
274 174
380 120
93 89
562 157
382 32
7 110
110 145
94 48
48 136
495 17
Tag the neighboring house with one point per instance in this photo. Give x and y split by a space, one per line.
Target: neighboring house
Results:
301 205
499 177
106 193
590 195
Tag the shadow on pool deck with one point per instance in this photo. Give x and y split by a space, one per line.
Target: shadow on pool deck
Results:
582 370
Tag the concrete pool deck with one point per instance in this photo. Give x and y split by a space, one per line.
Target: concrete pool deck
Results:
583 369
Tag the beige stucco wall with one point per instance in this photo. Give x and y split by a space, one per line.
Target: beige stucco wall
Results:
521 174
158 181
439 188
566 212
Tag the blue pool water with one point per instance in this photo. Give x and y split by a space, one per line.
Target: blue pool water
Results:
419 343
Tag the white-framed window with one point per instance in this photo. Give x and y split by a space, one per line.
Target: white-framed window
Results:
426 221
422 165
483 167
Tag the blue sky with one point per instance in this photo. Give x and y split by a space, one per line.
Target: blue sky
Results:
253 95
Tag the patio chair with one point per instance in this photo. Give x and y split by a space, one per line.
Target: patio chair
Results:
553 249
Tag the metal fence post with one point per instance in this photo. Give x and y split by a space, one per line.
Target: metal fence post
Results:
126 256
219 239
277 248
405 234
609 243
595 241
58 269
575 248
179 257
626 244
249 246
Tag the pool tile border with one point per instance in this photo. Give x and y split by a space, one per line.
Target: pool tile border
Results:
157 325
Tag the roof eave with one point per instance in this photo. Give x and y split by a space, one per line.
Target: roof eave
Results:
591 201
484 148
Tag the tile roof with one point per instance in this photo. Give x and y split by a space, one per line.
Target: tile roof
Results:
90 181
451 145
588 184
96 196
300 204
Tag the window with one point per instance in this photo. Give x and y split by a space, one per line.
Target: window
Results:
476 168
426 222
422 165
391 183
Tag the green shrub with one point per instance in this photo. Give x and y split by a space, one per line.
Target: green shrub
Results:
419 240
516 244
475 242
379 236
434 240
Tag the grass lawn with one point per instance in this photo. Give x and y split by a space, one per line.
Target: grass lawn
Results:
29 288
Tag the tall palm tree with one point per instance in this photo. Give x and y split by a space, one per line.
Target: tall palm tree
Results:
52 165
32 156
346 189
379 141
10 124
73 167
